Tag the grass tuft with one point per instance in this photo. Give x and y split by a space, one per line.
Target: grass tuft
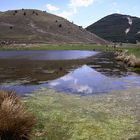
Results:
15 122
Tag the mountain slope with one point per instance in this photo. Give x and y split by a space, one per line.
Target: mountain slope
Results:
34 26
117 28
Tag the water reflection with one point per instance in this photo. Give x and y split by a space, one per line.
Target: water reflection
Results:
83 80
107 65
92 75
86 80
46 55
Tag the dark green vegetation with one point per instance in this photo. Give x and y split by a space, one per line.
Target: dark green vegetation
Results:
117 28
55 47
70 117
15 122
34 26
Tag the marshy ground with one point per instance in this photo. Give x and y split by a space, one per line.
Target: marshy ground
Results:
114 116
63 116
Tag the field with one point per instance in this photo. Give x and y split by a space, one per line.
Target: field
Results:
71 117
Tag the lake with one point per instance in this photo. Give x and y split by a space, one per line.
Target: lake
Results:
72 72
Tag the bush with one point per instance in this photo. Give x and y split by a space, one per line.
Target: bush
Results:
15 122
24 13
60 25
33 12
11 27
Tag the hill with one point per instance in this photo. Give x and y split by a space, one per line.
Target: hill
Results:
117 28
34 26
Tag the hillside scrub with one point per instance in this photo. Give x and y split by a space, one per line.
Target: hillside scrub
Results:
72 117
40 27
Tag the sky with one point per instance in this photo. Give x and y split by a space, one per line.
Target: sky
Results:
81 12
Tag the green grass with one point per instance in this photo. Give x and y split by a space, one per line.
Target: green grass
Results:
57 47
71 117
132 49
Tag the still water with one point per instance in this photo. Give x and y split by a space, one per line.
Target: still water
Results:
76 72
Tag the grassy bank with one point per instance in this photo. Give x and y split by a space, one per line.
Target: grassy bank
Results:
71 117
132 48
134 51
55 47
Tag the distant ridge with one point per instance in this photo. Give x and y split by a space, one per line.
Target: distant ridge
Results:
117 28
35 26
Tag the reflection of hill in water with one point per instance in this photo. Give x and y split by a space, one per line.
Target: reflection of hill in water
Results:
97 74
86 80
107 65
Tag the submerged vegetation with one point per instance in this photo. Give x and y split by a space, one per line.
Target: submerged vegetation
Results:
72 117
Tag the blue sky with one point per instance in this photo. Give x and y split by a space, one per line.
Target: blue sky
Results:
81 12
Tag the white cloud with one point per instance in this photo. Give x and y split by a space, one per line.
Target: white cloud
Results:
73 7
67 78
54 83
50 7
66 14
81 3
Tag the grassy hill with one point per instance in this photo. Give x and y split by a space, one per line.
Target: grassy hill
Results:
117 28
34 26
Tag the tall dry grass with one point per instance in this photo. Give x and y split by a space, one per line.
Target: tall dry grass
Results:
15 122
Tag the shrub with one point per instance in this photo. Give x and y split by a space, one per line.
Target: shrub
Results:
60 25
15 122
16 11
33 12
24 13
11 27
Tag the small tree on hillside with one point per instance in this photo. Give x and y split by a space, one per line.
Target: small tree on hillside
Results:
60 25
16 11
11 27
24 13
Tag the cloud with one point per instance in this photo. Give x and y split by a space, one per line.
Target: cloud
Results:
73 7
81 3
67 14
50 7
54 83
67 78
